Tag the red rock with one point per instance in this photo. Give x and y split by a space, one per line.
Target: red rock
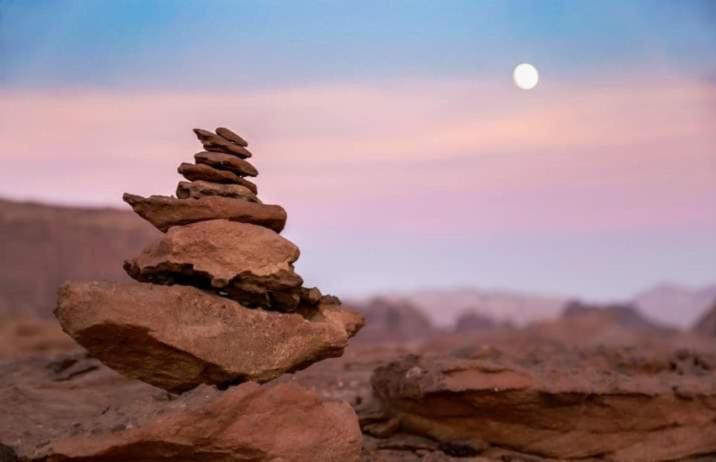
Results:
216 143
179 337
228 162
194 172
561 402
198 189
250 264
231 136
248 423
165 212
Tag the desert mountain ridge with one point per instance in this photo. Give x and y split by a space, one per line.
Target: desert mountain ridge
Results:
47 245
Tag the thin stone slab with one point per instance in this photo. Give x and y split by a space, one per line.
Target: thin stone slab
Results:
226 162
247 263
178 337
231 136
202 172
198 189
215 143
164 212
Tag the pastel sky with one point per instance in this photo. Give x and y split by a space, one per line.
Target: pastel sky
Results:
392 131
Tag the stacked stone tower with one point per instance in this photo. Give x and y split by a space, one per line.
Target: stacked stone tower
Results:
217 299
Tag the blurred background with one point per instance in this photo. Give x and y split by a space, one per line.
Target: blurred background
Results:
412 167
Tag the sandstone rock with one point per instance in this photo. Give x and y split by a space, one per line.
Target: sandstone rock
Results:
248 423
231 136
226 162
250 264
198 189
194 172
216 143
179 337
165 212
561 403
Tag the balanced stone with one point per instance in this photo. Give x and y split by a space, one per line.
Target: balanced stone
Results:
250 264
164 212
178 337
202 172
197 189
226 162
231 136
216 143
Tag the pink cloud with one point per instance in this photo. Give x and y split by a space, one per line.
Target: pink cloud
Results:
415 156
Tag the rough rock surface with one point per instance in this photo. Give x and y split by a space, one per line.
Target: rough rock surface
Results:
164 212
560 403
231 136
247 263
226 162
179 337
246 423
194 172
73 405
216 143
199 189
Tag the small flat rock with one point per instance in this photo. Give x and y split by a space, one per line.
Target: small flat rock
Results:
226 162
215 143
203 172
164 212
198 189
231 136
178 337
248 263
285 422
559 402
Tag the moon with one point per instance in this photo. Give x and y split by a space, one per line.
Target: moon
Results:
525 76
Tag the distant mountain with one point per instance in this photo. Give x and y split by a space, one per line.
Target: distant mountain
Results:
622 314
706 324
676 305
444 306
42 246
393 321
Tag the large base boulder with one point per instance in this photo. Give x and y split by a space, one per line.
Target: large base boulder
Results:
178 337
164 212
557 402
248 423
247 263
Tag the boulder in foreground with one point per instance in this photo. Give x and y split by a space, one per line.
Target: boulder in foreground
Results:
285 422
560 402
250 264
164 212
179 337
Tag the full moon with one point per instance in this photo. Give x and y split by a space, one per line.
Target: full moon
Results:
525 76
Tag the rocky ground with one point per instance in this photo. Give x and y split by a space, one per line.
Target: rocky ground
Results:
493 396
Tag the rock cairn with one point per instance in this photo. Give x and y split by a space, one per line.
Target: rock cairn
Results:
217 299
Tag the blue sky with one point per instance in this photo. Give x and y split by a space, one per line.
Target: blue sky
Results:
209 44
391 130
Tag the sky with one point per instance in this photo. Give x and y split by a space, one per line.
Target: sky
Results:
391 131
